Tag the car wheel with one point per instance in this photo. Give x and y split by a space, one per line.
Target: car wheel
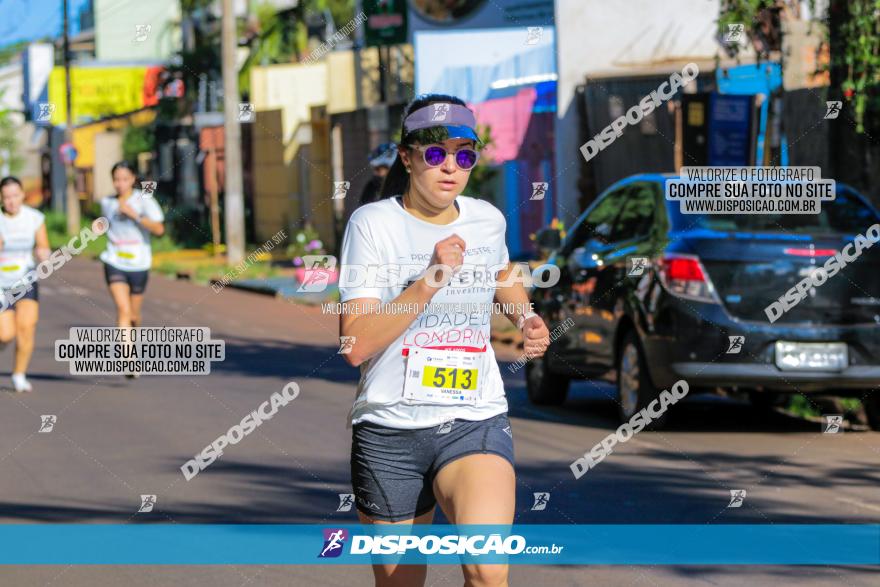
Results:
544 387
634 388
872 409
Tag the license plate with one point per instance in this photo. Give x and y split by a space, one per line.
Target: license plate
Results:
811 356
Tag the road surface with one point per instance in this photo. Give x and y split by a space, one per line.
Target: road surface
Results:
116 439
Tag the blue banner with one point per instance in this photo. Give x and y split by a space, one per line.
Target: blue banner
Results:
288 544
730 130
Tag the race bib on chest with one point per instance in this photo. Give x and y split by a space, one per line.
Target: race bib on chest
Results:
9 264
16 252
442 377
127 250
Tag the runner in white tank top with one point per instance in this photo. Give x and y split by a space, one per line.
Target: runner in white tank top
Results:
22 237
134 217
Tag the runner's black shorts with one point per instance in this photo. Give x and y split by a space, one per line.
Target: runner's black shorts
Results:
33 293
136 280
393 470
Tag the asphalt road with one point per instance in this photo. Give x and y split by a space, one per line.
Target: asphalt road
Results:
116 439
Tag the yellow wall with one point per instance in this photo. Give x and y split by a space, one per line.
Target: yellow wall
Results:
342 96
283 96
293 89
271 176
293 176
84 136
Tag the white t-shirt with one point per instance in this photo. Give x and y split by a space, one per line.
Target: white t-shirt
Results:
384 233
19 237
128 243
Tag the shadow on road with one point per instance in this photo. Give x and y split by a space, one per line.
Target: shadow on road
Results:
681 489
251 357
673 485
594 403
679 492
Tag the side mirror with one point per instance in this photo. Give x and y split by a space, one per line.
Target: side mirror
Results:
548 238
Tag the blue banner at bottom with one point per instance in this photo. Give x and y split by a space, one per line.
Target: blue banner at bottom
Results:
531 544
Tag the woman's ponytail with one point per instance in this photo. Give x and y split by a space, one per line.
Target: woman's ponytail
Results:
396 181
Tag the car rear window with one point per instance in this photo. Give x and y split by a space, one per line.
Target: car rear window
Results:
846 214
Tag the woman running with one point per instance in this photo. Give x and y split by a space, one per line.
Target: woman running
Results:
134 216
440 435
22 236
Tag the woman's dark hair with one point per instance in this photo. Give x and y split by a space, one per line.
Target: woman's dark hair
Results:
126 165
123 165
10 179
397 179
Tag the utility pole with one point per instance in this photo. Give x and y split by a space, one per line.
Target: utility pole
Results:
234 197
72 198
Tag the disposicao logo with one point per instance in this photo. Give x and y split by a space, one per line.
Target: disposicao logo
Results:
334 540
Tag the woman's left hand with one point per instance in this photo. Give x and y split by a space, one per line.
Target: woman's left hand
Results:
128 211
536 337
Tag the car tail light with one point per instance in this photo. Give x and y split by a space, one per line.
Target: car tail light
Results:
809 252
684 276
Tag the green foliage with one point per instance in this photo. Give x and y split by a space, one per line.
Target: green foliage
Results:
801 406
341 10
8 52
860 59
278 41
10 156
282 36
187 227
201 61
56 227
137 140
306 241
741 12
190 6
205 273
857 56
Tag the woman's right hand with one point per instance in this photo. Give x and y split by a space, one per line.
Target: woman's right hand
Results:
449 252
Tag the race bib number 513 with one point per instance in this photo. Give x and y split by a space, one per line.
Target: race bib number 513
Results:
442 377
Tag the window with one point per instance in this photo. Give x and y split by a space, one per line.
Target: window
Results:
598 223
638 213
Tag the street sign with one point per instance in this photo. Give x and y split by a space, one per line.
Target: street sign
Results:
68 153
386 22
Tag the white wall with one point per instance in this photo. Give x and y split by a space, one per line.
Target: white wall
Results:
601 37
11 88
115 30
291 88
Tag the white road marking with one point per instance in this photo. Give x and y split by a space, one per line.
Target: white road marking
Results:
858 503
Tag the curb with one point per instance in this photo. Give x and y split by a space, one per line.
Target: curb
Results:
266 291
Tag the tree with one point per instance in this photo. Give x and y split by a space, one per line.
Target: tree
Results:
11 161
855 55
281 36
852 31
